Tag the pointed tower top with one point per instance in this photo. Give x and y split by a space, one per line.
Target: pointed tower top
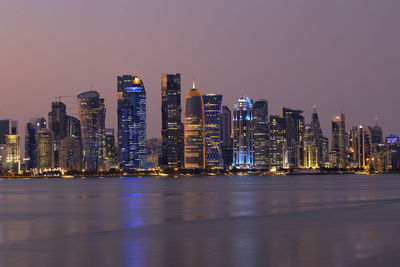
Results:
136 74
194 84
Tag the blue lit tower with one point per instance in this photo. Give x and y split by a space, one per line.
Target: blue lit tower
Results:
131 122
212 131
243 133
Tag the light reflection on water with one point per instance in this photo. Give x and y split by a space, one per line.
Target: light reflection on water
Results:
239 221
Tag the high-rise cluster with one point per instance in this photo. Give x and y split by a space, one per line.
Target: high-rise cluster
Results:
200 134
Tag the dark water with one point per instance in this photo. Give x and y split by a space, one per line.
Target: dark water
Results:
204 221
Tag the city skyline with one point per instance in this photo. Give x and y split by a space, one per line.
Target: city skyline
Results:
339 56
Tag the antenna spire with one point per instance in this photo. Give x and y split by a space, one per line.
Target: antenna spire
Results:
194 84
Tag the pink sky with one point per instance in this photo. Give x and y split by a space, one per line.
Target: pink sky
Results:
342 54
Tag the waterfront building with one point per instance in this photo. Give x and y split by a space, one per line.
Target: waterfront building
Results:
293 150
131 122
7 127
261 134
277 140
338 156
13 153
31 132
153 152
92 116
58 127
45 149
243 133
310 147
194 157
226 136
171 122
70 154
212 131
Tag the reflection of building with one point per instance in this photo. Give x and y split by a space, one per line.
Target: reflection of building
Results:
277 140
293 150
194 130
261 136
131 122
92 116
226 136
172 127
45 149
337 155
212 131
243 133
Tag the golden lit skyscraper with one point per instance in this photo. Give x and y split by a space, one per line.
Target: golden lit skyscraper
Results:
45 149
194 130
13 152
337 155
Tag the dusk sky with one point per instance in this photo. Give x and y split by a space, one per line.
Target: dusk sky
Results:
338 55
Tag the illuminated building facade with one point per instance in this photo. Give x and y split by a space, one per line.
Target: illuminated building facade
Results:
226 136
92 113
277 140
212 131
171 122
45 149
293 154
58 126
243 133
70 155
310 147
131 122
261 134
13 152
194 130
337 155
31 133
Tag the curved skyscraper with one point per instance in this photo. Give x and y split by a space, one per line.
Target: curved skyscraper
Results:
243 133
92 113
194 130
131 122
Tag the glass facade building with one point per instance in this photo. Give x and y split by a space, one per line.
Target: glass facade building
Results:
261 132
194 157
171 122
131 122
212 131
277 140
226 136
243 133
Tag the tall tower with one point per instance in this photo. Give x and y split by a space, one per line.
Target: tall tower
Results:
337 155
317 136
45 149
243 133
261 149
277 140
194 130
131 122
226 136
58 127
212 131
171 123
91 111
294 137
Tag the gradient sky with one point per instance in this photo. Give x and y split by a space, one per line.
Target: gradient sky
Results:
338 55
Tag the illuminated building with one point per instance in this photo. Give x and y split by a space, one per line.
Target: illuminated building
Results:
13 152
153 151
212 131
226 136
261 136
171 124
58 126
8 157
45 149
194 130
293 154
325 152
393 151
92 113
337 155
70 154
243 133
7 127
277 140
32 129
131 122
310 148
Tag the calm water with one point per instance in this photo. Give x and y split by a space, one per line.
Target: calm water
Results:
201 221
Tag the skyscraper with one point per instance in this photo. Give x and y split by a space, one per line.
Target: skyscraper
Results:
58 126
32 129
131 122
277 140
13 152
294 137
212 131
171 122
7 127
194 130
226 136
91 111
337 155
45 149
243 133
261 134
70 154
